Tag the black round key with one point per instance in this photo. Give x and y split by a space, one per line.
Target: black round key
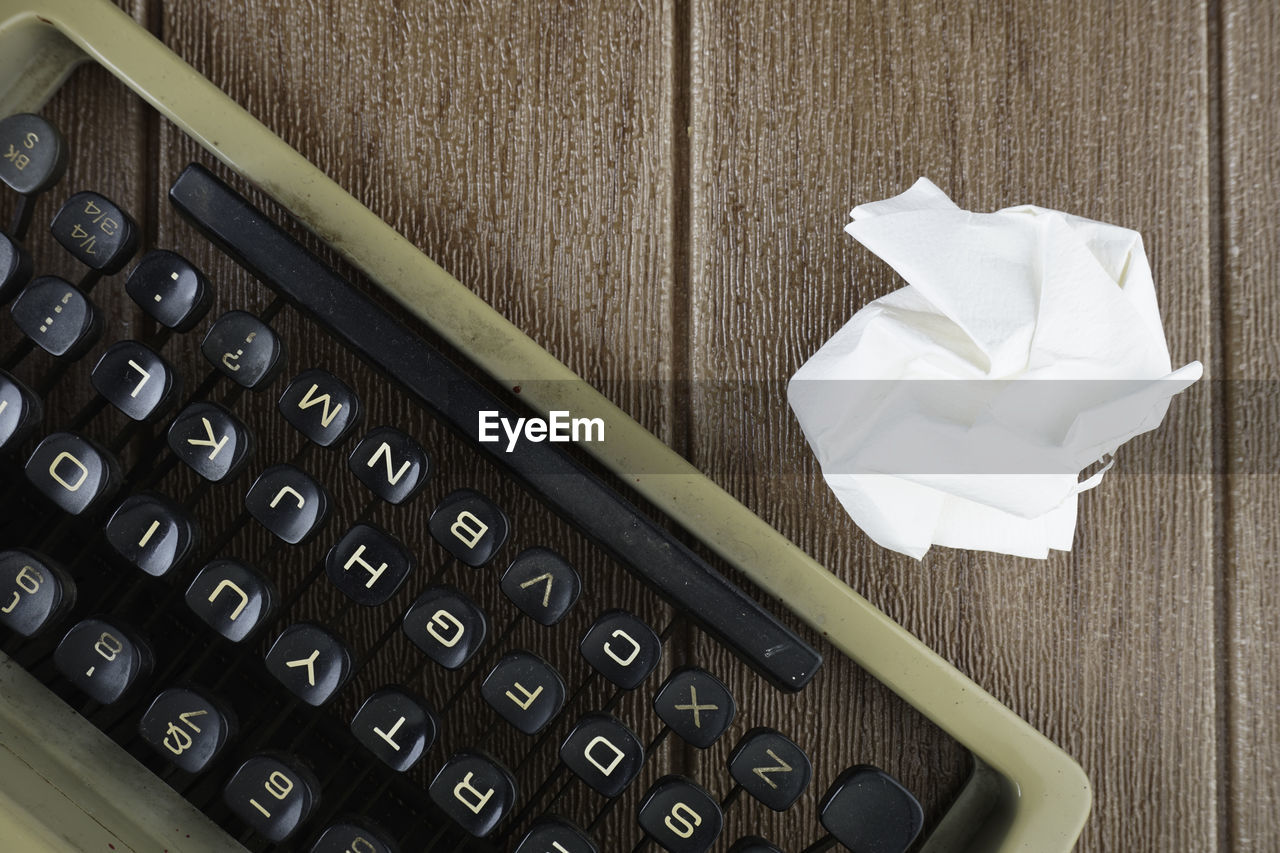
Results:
696 705
105 659
55 316
391 464
868 811
320 406
604 753
231 598
310 661
475 791
35 591
33 154
771 768
753 844
170 289
244 348
288 502
622 648
15 268
542 584
20 412
525 690
681 816
137 381
368 565
274 794
96 232
469 526
446 625
350 836
556 835
187 727
211 441
73 472
395 726
152 532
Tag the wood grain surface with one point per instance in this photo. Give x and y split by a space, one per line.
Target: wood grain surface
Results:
656 193
1250 269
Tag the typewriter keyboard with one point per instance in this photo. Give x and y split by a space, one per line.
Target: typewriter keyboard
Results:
334 623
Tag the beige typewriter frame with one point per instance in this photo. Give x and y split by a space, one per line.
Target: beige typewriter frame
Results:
62 779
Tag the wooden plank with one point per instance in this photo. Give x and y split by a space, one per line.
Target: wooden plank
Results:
1100 109
1251 261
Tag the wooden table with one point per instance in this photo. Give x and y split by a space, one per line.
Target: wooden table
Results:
656 193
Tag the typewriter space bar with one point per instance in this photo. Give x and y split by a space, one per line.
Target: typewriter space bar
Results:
662 561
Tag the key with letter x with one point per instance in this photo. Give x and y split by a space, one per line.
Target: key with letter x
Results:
696 705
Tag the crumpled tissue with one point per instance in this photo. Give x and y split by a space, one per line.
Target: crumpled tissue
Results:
961 409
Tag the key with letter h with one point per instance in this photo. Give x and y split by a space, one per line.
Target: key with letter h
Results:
368 565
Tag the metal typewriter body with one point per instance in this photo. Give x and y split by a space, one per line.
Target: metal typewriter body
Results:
66 786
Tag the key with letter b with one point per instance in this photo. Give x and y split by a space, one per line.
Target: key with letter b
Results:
469 526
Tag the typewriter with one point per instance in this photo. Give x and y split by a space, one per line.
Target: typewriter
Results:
266 583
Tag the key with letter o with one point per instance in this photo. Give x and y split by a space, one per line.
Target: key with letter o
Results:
73 472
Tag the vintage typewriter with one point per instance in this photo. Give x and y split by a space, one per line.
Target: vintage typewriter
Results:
262 587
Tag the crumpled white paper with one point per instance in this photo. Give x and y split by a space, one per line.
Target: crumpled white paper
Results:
961 409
